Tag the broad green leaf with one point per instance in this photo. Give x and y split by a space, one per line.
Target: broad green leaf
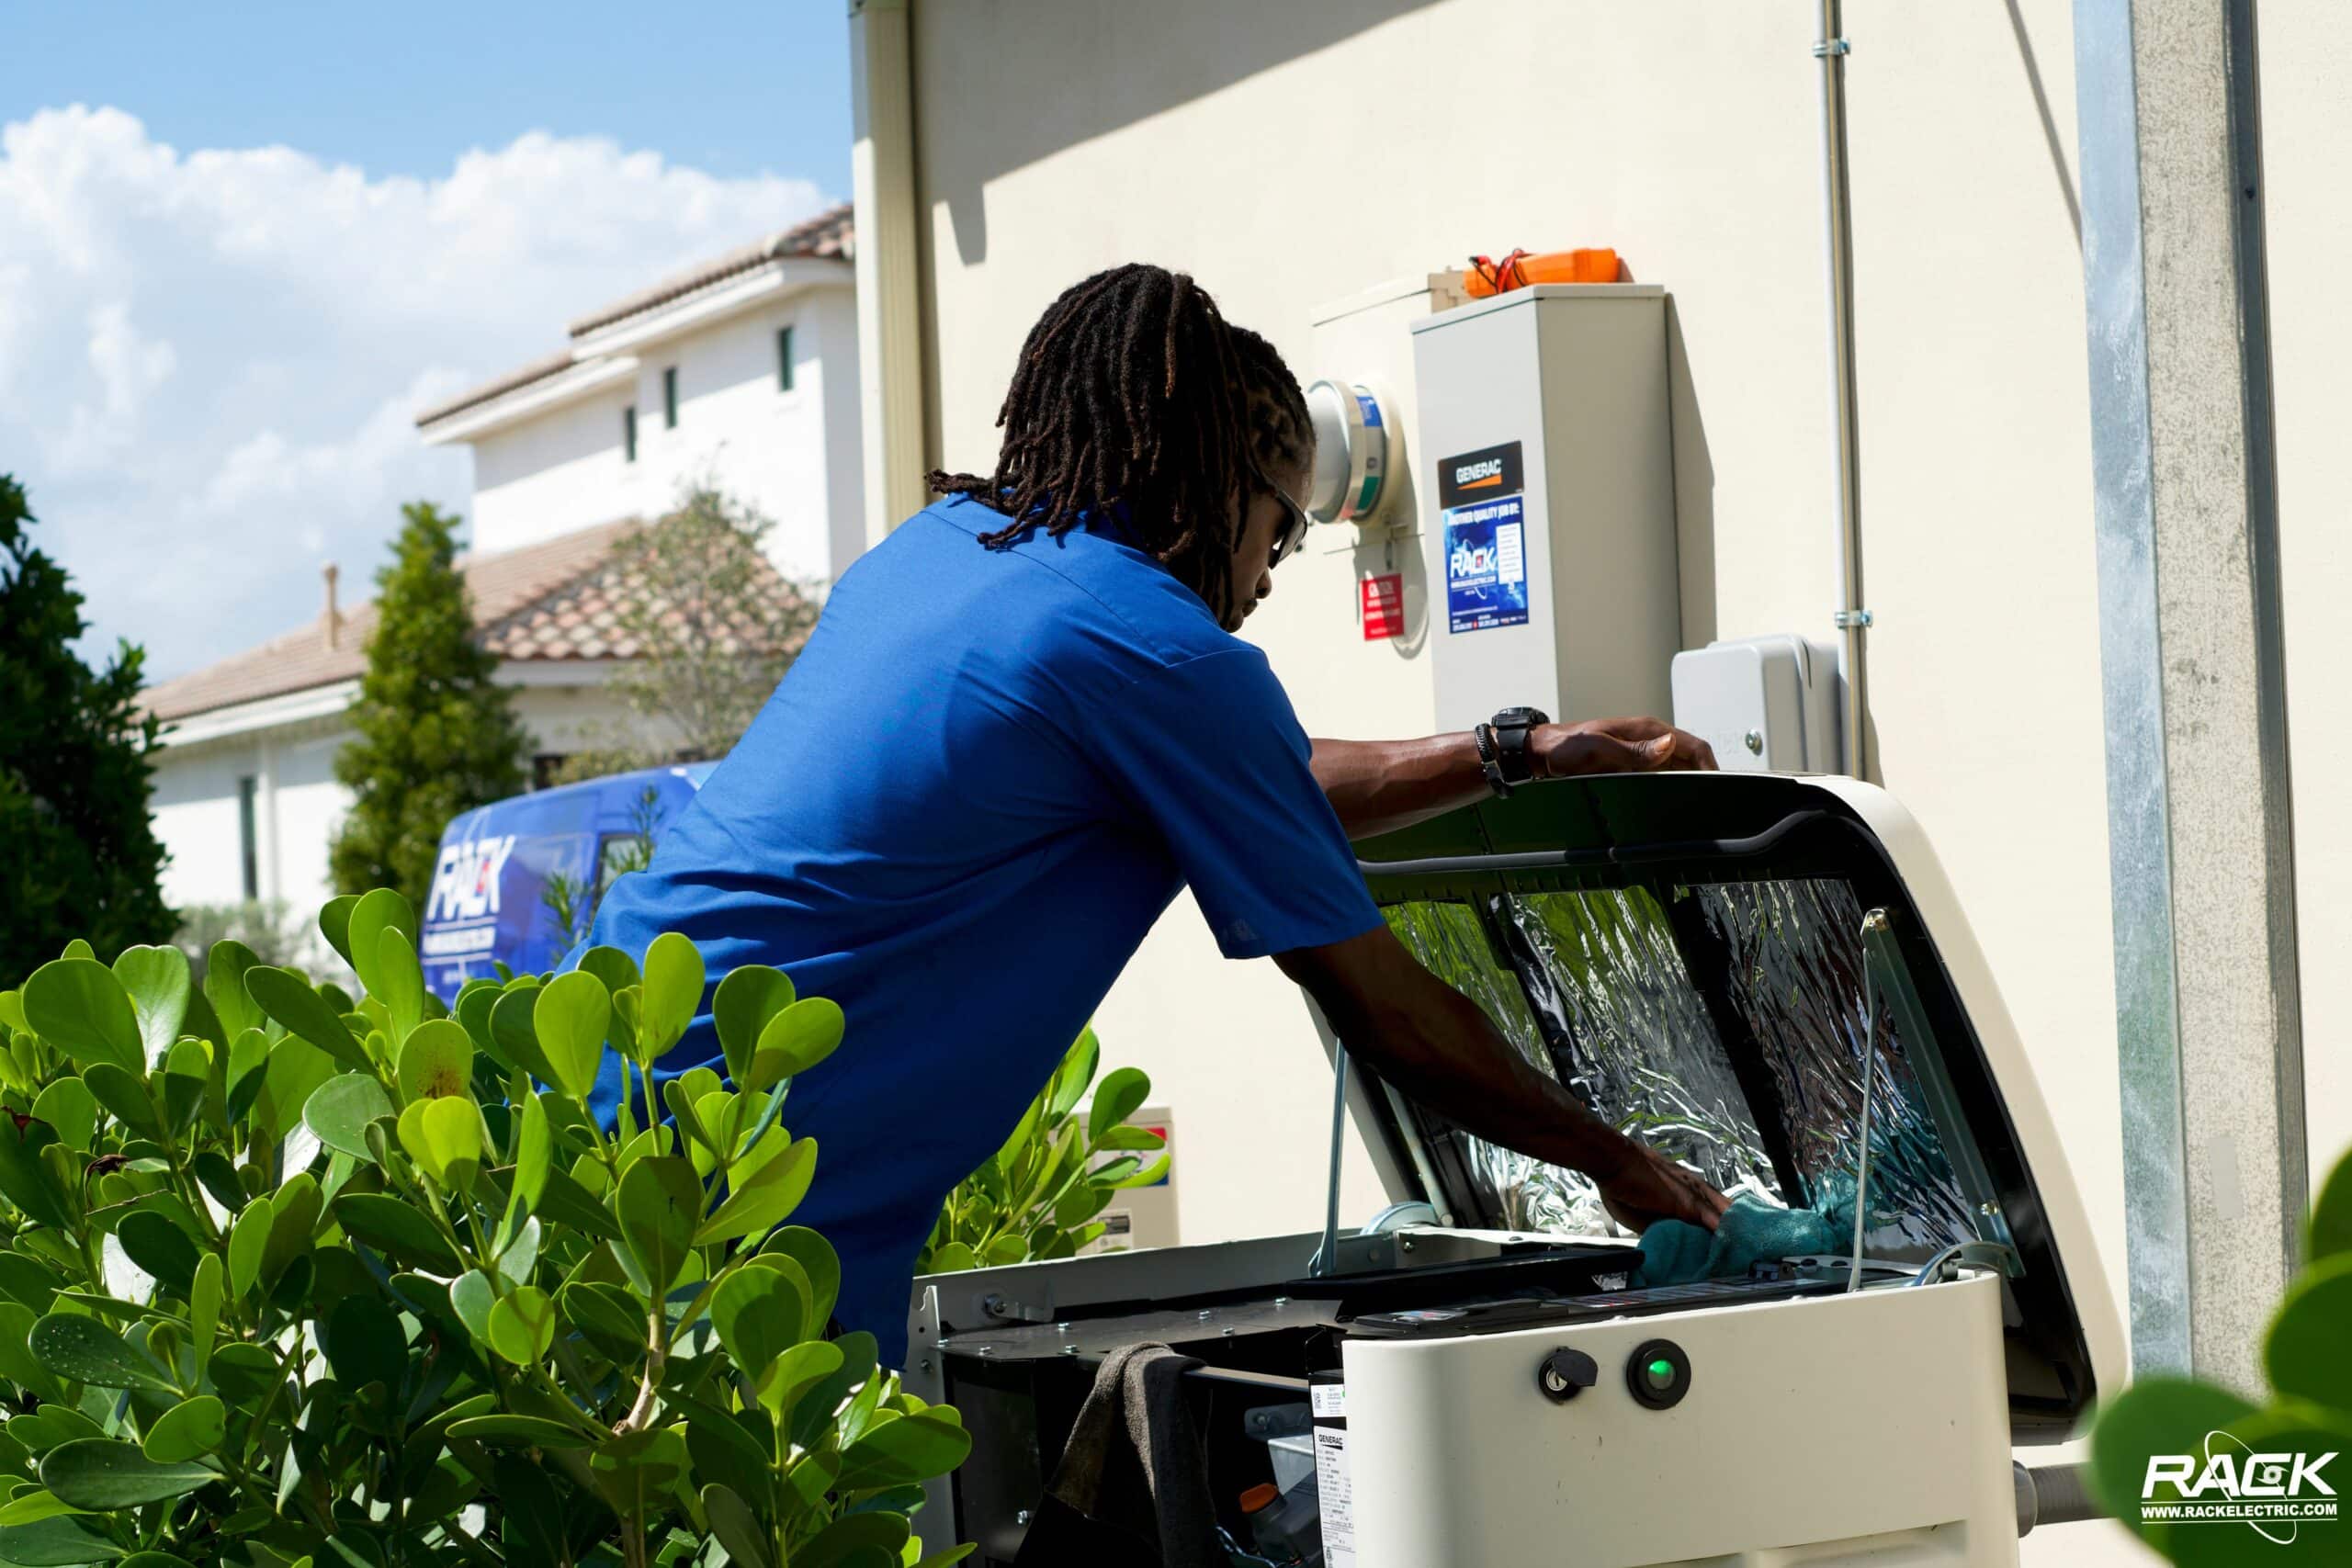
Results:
25 1279
1077 1071
288 998
339 1110
795 1041
12 1012
787 1379
671 997
476 1002
244 1373
521 1431
820 1266
375 914
78 1006
911 1450
159 1246
758 1314
444 1137
470 1297
224 987
187 1068
610 965
400 981
837 1544
294 1218
1116 1099
294 1071
1148 1176
436 1060
737 1527
29 1508
334 924
566 1202
24 1177
522 1324
2308 1354
248 1056
190 1429
99 1473
124 1095
766 1198
248 1240
365 1344
204 1298
392 1227
520 1253
511 1024
740 1008
607 1313
81 1349
658 1203
818 1406
53 1543
534 1156
573 1015
156 981
952 1259
2154 1416
1127 1137
2331 1226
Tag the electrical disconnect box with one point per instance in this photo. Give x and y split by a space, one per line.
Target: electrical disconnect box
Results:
1548 514
1764 704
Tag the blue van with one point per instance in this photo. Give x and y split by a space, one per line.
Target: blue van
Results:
518 879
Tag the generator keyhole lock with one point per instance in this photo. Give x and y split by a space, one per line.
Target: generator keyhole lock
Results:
1564 1374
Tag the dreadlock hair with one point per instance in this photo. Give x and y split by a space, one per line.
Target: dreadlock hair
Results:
1133 389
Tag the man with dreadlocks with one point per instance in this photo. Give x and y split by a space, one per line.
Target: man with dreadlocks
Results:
1022 725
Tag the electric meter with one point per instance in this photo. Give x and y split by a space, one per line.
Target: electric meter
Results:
1351 451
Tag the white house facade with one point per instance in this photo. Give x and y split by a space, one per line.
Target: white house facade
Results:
740 372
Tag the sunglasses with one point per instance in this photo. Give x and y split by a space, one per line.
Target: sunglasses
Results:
1293 531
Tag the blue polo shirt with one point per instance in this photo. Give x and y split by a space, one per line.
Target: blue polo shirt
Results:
984 778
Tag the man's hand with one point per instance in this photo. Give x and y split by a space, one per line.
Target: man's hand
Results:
1616 746
1650 1188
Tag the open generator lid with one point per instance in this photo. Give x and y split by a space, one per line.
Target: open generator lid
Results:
1699 958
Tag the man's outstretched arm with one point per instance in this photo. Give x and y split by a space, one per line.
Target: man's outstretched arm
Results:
1439 1048
1378 786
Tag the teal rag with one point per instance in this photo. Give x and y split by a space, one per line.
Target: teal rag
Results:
1675 1253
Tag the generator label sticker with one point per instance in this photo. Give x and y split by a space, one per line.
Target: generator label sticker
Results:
1486 566
1483 475
1383 605
1336 1497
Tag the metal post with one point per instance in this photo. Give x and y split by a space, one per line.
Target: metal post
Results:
1853 619
2200 854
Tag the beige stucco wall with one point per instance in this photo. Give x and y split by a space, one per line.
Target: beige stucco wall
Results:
1295 155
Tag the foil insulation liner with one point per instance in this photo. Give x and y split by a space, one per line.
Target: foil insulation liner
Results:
1596 991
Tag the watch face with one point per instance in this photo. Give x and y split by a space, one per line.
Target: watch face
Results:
1519 718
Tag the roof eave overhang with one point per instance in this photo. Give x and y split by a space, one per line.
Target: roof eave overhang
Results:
763 285
589 375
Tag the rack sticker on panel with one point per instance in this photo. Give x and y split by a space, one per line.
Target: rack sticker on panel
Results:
1486 537
1486 564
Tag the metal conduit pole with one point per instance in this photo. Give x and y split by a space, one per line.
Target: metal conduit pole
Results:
1853 620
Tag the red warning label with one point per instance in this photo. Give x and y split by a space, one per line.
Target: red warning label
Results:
1384 605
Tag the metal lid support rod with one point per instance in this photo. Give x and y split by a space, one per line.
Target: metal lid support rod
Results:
1853 621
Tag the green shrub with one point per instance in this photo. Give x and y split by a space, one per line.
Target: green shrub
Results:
2307 1357
1038 1196
288 1277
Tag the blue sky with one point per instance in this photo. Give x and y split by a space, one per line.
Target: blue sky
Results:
241 245
403 88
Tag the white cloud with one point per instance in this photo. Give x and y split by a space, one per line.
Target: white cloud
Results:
210 361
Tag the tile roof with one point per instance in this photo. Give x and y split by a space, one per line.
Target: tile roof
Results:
584 619
829 234
508 590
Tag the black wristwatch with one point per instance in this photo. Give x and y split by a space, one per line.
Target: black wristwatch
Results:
1502 747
